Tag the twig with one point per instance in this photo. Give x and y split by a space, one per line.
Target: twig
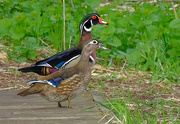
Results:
174 9
47 45
44 42
70 42
109 120
8 88
72 3
104 117
160 65
123 66
64 24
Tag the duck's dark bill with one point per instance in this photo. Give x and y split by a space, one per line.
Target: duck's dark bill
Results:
103 47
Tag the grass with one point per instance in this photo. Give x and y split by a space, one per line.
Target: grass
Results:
133 98
129 110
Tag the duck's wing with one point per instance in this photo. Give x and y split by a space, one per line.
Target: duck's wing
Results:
67 58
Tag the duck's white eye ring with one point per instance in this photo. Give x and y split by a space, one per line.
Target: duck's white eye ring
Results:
94 42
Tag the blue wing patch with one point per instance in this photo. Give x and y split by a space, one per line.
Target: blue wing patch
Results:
53 82
60 64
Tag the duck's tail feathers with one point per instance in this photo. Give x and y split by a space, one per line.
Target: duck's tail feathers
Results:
24 93
35 88
26 69
41 70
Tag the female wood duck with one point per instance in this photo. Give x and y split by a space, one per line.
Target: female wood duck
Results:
70 57
79 77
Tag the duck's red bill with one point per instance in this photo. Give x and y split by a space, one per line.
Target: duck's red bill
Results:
102 22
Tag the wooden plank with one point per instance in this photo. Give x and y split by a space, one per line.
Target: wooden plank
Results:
35 109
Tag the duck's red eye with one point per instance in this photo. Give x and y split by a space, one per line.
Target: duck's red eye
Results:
94 17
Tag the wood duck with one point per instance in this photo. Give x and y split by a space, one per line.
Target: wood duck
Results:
70 57
79 77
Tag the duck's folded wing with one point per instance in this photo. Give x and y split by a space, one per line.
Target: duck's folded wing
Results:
59 59
69 85
52 64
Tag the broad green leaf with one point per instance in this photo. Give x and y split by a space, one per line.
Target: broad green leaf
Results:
175 23
123 22
152 32
19 49
19 17
20 59
17 32
154 17
32 54
135 57
161 6
115 42
30 43
147 22
142 47
173 52
136 21
94 3
175 43
5 25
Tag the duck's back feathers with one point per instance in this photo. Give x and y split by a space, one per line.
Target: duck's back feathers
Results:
59 59
54 63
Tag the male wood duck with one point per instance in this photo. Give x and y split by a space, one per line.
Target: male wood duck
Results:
70 57
79 77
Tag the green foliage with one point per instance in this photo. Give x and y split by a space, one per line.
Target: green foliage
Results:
175 24
148 38
23 23
24 50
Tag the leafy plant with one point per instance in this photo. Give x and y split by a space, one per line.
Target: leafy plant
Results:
145 35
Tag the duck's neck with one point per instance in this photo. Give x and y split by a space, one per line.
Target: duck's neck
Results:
85 37
84 60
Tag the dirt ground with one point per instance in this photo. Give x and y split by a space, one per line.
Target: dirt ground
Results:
115 84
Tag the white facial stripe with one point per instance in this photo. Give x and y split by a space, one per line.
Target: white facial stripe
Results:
81 27
88 29
92 58
91 23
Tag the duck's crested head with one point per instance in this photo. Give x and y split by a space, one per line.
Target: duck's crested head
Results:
92 45
89 21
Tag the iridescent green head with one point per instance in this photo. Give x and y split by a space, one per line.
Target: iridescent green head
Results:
89 21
